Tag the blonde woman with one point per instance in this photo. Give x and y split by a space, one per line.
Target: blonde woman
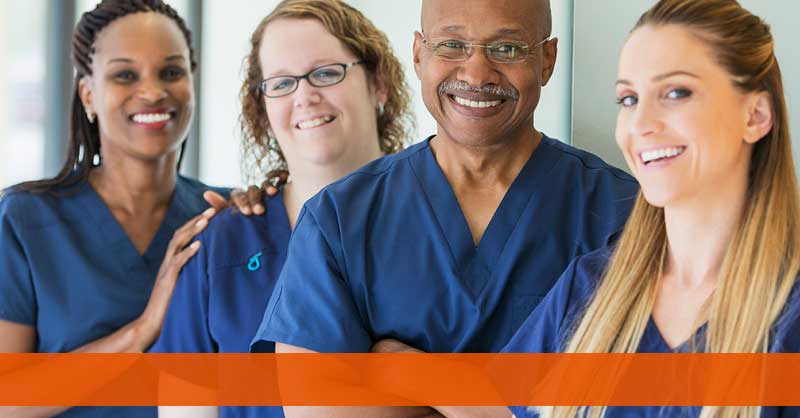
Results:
709 257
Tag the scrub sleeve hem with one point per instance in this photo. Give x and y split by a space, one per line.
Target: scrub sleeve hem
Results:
307 343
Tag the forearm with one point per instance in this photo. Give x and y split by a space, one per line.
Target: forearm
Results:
359 412
474 411
31 411
135 337
188 412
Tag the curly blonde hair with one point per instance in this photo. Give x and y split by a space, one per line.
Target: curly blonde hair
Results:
262 158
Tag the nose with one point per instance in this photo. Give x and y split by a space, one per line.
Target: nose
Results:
151 91
646 119
306 95
477 70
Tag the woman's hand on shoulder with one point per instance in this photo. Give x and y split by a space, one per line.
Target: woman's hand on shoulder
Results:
248 202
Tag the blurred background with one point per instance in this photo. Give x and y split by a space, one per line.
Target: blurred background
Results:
577 107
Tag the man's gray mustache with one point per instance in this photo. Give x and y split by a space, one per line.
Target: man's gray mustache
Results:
492 89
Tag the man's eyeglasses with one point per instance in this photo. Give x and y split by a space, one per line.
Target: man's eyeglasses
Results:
503 52
284 85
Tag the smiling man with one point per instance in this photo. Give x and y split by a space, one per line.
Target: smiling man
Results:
450 244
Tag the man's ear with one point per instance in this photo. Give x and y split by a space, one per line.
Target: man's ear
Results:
759 116
549 54
417 50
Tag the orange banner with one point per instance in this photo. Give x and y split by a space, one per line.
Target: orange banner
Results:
399 379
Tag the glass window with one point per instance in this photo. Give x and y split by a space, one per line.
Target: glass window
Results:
22 77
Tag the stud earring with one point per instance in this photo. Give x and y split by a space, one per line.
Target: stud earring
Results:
380 109
90 116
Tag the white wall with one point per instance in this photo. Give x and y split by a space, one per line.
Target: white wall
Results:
600 30
227 29
227 26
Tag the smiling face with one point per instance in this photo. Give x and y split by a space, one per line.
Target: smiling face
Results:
319 126
498 106
685 130
141 86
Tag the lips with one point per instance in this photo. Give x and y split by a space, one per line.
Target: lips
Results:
477 104
660 154
152 119
314 122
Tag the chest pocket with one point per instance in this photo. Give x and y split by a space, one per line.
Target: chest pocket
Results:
521 308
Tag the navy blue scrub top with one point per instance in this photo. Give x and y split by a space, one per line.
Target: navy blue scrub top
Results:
387 253
546 331
222 292
68 269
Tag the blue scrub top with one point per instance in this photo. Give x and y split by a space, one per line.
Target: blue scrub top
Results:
387 253
547 328
68 269
222 292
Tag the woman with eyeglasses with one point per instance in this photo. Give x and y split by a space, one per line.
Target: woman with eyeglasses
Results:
323 95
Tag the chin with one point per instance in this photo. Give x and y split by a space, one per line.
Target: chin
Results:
659 197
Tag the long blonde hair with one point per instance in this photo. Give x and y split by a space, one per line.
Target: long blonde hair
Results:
763 258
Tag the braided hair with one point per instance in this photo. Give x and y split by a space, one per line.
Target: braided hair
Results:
83 150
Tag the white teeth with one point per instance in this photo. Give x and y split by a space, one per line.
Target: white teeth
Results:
477 104
151 117
313 123
658 154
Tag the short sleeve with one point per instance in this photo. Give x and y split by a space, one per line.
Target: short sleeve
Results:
17 294
185 328
312 306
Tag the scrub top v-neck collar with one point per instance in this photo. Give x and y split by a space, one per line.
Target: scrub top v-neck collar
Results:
112 234
450 216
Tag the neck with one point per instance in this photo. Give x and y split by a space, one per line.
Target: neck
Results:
700 230
308 178
133 185
484 167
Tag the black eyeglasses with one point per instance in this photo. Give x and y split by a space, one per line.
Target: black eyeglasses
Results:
284 85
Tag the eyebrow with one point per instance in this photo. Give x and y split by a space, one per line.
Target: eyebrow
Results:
176 57
661 77
499 32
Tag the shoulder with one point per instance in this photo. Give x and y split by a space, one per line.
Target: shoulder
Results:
36 209
365 181
786 331
232 238
585 166
196 187
590 269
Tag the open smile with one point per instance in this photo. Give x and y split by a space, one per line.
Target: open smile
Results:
660 155
157 119
315 122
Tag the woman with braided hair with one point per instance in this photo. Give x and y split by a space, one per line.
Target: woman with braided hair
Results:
89 258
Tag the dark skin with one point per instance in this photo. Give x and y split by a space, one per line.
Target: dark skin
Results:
141 66
480 150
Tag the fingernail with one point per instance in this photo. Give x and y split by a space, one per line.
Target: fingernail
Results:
201 223
258 209
195 245
209 212
246 211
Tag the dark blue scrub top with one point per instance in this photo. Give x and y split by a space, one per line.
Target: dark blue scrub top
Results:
68 269
222 292
387 253
546 330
